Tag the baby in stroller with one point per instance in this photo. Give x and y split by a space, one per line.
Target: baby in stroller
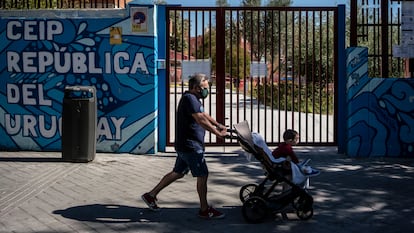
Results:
261 199
285 154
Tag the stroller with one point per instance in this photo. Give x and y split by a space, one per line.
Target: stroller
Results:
261 200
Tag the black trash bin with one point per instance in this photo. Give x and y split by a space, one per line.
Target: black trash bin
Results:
79 124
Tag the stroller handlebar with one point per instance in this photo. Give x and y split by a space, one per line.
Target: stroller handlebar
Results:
231 137
231 130
232 134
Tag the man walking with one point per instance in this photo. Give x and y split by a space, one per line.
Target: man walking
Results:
191 124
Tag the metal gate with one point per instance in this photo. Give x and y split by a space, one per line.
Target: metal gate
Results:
376 24
275 67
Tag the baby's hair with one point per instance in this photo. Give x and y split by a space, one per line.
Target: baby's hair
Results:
289 134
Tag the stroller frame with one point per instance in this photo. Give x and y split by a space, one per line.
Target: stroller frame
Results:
260 201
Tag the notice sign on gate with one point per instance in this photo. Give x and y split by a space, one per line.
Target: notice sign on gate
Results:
258 69
406 47
192 67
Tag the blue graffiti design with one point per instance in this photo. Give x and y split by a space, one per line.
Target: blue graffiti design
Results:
118 95
386 129
397 102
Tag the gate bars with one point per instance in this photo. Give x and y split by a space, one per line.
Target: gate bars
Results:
376 24
275 67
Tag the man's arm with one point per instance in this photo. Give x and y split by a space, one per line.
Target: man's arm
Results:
208 123
214 122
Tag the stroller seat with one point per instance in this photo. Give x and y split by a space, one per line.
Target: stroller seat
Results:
254 143
260 199
272 168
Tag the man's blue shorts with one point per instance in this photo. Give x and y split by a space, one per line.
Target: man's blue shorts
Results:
191 161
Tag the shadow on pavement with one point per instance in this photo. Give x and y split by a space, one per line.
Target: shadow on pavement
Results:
32 159
103 213
112 214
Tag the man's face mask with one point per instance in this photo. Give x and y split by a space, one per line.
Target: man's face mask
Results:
204 93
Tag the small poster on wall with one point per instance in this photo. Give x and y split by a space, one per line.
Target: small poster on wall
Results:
115 35
139 19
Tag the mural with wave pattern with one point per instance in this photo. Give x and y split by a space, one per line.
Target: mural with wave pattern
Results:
40 57
380 111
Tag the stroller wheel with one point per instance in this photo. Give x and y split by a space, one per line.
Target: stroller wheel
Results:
305 214
254 210
247 191
303 205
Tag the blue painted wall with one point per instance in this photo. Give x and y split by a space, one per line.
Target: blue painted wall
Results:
380 118
48 50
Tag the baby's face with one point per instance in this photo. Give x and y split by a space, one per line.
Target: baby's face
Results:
293 141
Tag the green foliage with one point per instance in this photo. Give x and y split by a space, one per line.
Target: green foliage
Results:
251 2
179 30
311 98
222 3
279 3
235 61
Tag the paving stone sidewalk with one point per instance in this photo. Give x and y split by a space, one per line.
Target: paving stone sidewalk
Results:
40 193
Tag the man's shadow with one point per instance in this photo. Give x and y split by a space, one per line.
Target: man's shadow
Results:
103 213
112 213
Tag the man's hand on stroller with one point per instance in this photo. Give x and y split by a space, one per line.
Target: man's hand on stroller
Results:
222 130
221 127
231 134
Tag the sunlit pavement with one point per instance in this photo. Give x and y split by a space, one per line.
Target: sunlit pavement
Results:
40 193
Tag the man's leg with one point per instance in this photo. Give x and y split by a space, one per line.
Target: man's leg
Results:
150 198
206 211
164 182
202 192
180 168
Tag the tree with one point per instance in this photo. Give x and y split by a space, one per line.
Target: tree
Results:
279 3
179 28
250 3
261 28
222 3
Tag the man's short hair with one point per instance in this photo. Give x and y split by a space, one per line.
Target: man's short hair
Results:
196 80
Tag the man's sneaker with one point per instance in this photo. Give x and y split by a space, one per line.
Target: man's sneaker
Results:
210 213
150 201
